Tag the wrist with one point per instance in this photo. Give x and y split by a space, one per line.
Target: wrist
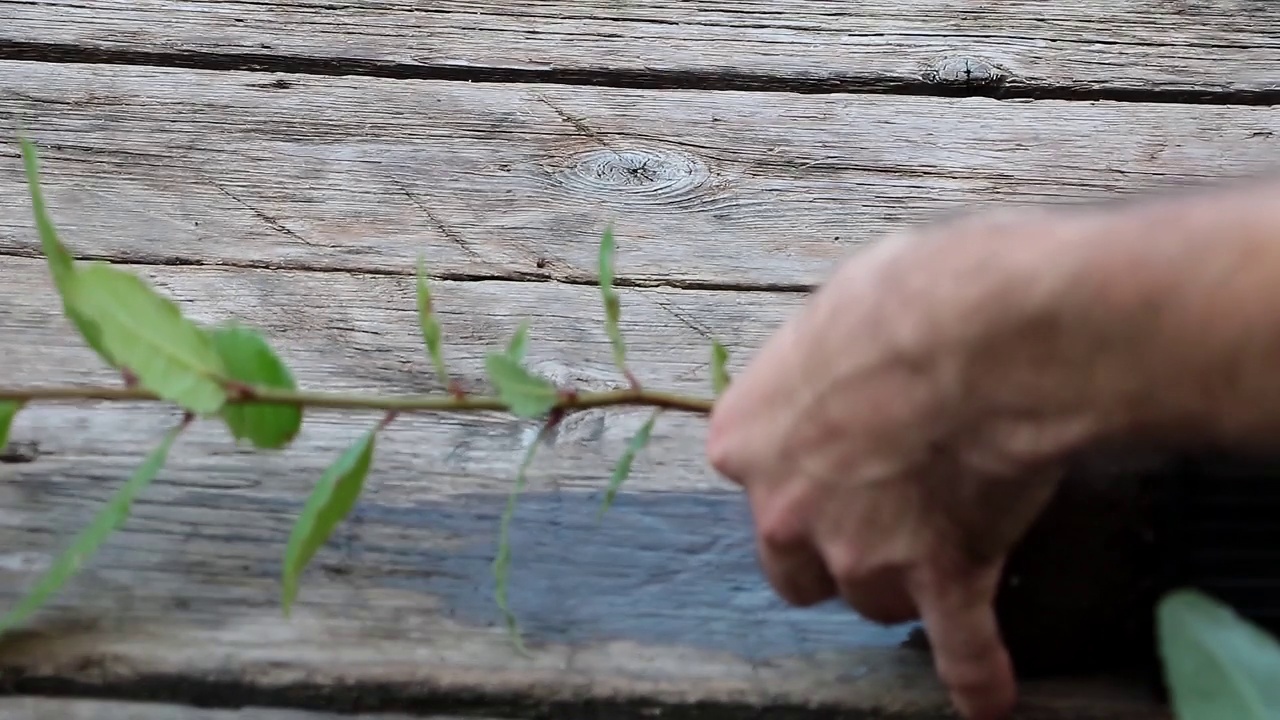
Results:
1186 291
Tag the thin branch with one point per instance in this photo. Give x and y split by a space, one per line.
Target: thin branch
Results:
381 403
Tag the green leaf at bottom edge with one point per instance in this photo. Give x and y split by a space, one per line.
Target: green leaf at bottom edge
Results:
330 502
111 516
1217 664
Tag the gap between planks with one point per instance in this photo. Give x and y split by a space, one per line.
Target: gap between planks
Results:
1135 50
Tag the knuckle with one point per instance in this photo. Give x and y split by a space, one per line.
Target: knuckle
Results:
781 520
778 530
849 565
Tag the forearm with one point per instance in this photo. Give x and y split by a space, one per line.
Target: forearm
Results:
1198 278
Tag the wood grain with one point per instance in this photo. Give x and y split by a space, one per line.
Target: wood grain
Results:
1223 50
658 604
729 190
42 708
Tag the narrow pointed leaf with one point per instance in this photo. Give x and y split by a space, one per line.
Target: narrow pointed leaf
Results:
1217 664
719 371
8 411
502 561
170 355
519 343
249 359
623 469
111 516
329 504
429 324
59 259
525 394
612 304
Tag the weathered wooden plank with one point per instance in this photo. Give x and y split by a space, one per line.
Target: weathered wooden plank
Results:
659 602
1133 47
51 708
517 181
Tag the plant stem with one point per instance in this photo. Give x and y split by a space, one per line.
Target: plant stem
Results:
381 403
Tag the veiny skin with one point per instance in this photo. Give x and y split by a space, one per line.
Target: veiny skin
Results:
899 435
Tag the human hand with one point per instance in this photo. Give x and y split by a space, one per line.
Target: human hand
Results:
899 435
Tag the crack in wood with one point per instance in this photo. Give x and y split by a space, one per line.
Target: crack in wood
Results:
270 222
449 233
141 260
54 52
576 122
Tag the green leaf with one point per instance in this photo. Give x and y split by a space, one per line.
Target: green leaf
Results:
1217 664
59 258
612 304
249 359
8 411
329 504
623 468
519 342
111 516
502 561
428 323
170 355
719 373
525 394
61 263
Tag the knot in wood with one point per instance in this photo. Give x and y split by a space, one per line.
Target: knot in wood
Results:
637 176
964 71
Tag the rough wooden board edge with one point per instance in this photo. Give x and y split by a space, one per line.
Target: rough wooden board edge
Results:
36 707
927 47
768 696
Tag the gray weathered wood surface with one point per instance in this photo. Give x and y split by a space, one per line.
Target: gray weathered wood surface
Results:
48 708
1222 50
516 181
285 163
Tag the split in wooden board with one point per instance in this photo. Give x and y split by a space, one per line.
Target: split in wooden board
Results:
1224 49
659 603
729 190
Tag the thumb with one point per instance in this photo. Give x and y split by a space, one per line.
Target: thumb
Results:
958 613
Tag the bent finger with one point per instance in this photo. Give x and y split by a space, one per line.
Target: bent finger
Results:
969 655
790 560
879 596
796 572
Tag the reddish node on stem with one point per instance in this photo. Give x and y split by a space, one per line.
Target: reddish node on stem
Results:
631 378
239 391
388 419
130 380
456 390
